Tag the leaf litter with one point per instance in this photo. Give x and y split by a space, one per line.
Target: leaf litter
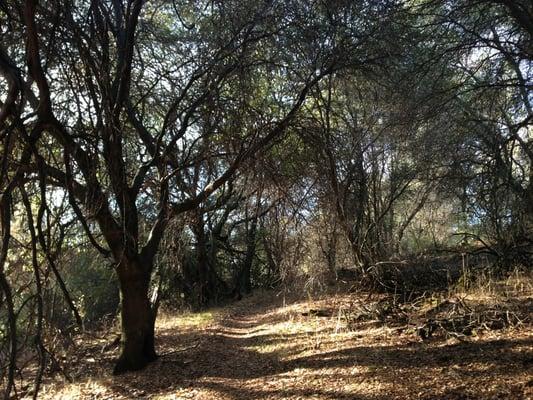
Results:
336 346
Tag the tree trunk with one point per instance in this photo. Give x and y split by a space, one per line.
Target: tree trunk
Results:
202 287
137 319
274 275
246 271
205 285
529 205
330 252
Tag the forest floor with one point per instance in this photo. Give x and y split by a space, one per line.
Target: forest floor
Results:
338 346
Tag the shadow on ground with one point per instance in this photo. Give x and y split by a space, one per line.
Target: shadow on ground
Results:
247 354
241 357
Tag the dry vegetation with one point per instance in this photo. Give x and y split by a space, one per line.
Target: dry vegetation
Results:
473 343
159 155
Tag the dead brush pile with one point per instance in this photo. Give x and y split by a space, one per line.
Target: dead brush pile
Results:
473 304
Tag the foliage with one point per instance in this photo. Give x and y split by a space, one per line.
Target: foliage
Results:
185 153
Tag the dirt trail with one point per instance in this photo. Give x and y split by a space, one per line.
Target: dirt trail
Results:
253 351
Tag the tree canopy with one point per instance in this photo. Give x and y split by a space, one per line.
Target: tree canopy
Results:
189 151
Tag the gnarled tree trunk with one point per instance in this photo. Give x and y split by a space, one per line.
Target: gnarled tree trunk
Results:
137 317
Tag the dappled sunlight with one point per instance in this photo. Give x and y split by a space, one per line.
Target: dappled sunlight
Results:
184 321
266 199
262 350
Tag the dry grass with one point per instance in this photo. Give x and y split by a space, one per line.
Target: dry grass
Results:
265 347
